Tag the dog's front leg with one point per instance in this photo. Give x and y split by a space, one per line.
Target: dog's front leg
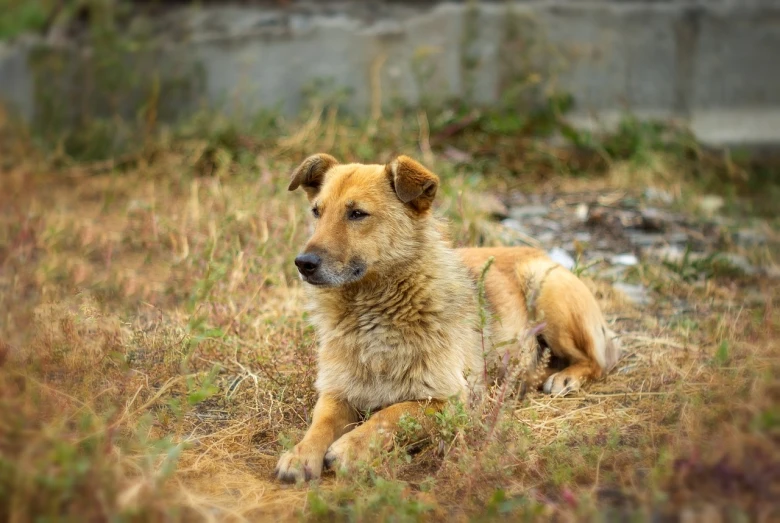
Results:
378 432
331 419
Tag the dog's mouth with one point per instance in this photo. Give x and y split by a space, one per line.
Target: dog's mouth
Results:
352 272
313 281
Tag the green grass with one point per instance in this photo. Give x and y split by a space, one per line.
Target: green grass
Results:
20 16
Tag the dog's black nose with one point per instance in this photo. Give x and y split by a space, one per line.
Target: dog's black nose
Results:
307 263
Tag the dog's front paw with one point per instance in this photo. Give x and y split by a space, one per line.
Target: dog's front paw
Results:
346 452
560 384
302 463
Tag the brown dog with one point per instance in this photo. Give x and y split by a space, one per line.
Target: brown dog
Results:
396 310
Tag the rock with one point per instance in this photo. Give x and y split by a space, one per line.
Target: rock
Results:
546 237
627 259
739 262
670 253
581 212
635 294
527 211
616 218
515 225
654 220
583 237
659 195
749 237
710 204
679 238
597 216
543 223
642 239
559 255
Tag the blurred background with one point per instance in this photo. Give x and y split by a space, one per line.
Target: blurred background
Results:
155 355
708 63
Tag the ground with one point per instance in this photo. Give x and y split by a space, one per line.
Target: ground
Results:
155 358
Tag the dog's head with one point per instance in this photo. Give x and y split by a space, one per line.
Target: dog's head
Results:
367 216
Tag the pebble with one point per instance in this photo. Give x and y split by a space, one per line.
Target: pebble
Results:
526 211
654 194
627 259
546 224
515 225
642 239
635 294
654 220
583 237
559 255
740 262
670 253
546 236
710 204
581 212
749 237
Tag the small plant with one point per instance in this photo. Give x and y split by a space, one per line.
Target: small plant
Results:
452 420
691 267
20 16
580 268
380 500
722 353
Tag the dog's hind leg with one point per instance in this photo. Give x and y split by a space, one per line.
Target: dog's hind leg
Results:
588 350
575 331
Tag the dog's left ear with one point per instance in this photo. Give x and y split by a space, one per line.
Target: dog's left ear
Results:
414 184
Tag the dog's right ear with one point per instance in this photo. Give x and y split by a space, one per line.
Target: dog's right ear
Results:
311 172
413 184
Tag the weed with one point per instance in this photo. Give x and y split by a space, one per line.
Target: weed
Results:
22 16
722 354
691 267
384 500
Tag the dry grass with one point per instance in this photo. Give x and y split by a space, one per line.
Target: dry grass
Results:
155 361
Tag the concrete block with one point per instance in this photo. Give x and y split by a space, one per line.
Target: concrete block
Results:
714 64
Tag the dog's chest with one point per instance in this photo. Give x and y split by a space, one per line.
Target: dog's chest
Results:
378 344
374 356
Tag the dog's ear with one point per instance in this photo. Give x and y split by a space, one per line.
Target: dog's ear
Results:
310 173
414 184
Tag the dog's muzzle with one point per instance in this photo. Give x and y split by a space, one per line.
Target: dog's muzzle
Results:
307 264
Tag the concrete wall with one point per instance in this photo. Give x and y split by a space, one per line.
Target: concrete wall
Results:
714 64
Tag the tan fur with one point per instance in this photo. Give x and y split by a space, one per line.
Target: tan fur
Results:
396 310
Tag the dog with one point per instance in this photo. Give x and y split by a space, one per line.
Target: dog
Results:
396 311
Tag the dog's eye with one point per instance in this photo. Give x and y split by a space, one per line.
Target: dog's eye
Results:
315 211
357 215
